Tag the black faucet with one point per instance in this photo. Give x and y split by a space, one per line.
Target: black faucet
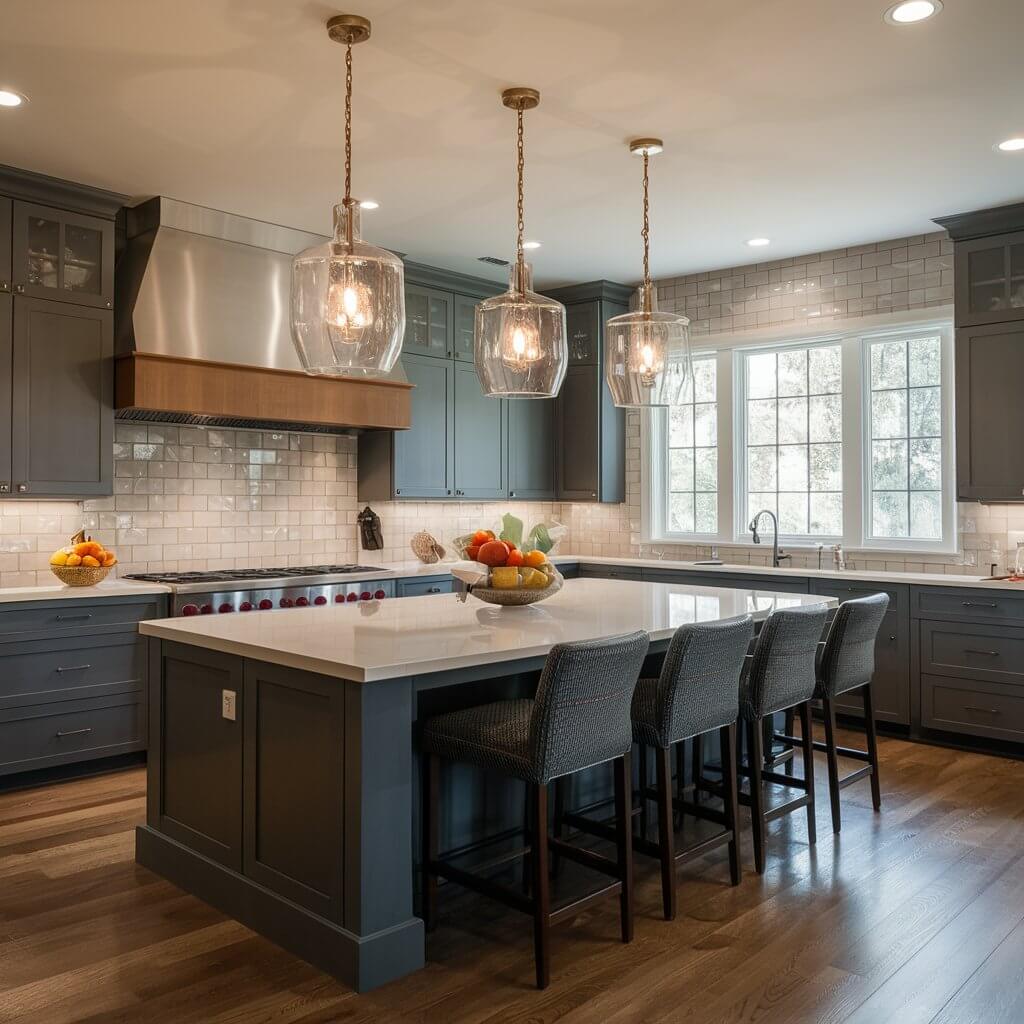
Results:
777 556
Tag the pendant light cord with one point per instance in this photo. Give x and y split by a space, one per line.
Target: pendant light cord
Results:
520 225
348 144
646 235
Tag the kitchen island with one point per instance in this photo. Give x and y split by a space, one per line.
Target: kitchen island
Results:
282 776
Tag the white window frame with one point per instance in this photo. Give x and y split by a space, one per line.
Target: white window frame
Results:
732 502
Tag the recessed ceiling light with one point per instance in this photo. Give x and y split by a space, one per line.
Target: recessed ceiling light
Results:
911 11
531 245
757 242
369 204
1013 145
12 98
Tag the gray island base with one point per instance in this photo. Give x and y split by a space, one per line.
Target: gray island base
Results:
282 781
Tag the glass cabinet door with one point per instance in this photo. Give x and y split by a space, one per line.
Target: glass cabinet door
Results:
582 323
1017 276
64 256
987 280
465 318
428 319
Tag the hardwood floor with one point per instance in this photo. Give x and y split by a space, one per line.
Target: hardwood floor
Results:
913 916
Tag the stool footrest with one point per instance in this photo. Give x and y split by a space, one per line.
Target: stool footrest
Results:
588 858
850 752
860 773
577 906
488 887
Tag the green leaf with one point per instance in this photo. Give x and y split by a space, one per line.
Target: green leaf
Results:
540 539
511 529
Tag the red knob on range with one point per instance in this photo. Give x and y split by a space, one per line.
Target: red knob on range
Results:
207 609
265 604
302 602
339 598
320 599
364 596
225 607
190 609
245 606
351 597
286 602
380 595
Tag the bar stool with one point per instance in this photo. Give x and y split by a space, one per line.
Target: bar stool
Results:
780 675
578 719
847 662
696 693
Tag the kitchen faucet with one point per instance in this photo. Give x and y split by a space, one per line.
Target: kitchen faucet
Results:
777 555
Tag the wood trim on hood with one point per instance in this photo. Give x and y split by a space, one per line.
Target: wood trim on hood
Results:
160 383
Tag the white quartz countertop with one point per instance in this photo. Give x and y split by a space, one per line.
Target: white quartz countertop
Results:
58 591
379 640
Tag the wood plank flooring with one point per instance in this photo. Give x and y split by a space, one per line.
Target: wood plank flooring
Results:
913 916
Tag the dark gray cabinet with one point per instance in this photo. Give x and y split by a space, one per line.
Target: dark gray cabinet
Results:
479 439
463 326
428 321
989 313
6 388
417 587
62 400
989 414
531 449
423 454
5 247
590 432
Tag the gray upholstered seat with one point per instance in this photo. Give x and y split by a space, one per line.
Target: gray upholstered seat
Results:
847 658
697 690
580 716
781 671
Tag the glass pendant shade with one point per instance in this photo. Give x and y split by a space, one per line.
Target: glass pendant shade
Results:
647 355
348 303
520 347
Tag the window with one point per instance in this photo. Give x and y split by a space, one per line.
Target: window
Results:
904 431
793 438
693 454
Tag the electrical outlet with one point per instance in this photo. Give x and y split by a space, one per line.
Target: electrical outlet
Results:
227 704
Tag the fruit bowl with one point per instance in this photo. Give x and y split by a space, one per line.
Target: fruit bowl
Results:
517 597
80 575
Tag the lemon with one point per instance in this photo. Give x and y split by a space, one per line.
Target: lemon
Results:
59 558
534 579
505 577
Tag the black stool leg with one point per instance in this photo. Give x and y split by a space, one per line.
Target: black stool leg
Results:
697 769
680 779
807 735
528 837
832 758
560 784
666 845
727 741
429 782
624 840
541 885
872 737
755 756
641 770
790 719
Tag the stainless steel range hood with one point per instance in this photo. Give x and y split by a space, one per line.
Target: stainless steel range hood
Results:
203 328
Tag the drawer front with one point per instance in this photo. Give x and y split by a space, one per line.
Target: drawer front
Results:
974 708
71 617
610 572
993 653
45 671
35 737
414 588
958 605
728 581
571 571
843 591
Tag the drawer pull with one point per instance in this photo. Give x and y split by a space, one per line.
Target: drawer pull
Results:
433 590
979 604
983 711
73 618
73 668
974 650
73 732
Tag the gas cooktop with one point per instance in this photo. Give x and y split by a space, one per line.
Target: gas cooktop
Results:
244 575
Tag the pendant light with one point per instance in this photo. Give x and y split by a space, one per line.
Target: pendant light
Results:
519 341
647 352
348 297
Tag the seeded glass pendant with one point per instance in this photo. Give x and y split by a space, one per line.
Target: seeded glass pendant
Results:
519 343
647 352
348 297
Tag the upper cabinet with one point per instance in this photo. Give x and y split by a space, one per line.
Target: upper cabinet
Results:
989 359
590 432
56 337
465 320
428 322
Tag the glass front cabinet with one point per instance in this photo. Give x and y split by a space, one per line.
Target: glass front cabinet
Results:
990 280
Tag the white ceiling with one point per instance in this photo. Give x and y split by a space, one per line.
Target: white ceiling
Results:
809 121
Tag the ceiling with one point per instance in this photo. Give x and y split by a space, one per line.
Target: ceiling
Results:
811 122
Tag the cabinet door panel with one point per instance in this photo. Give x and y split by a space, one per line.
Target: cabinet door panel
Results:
5 245
480 449
464 321
63 256
423 453
62 405
989 417
428 322
531 449
583 332
890 685
6 367
579 426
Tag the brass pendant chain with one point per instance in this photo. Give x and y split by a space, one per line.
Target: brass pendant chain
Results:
348 145
646 232
520 227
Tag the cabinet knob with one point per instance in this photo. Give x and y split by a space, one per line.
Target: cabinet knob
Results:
5 488
511 494
21 488
398 490
4 286
20 289
892 637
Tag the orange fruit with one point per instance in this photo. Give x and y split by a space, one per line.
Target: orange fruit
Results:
91 561
515 558
493 553
482 537
535 559
73 560
472 551
109 558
